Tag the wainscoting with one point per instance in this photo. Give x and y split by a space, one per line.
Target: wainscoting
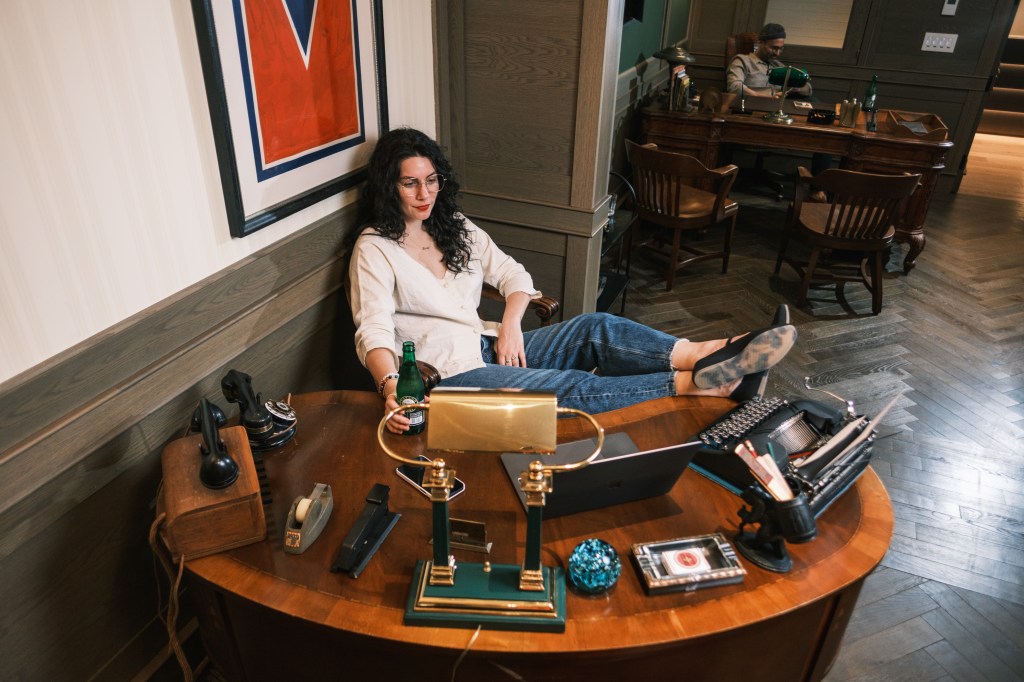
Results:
80 451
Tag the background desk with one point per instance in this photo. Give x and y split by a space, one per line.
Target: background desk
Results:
702 135
265 614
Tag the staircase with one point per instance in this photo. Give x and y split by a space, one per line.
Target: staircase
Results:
1004 110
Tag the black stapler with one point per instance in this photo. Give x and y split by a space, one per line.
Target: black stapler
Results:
367 534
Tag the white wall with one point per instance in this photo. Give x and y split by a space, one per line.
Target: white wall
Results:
111 196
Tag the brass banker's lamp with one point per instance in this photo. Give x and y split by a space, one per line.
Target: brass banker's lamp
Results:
786 77
526 597
677 87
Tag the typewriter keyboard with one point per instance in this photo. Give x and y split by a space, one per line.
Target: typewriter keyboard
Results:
740 421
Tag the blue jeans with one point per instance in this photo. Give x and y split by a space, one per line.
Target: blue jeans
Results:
633 361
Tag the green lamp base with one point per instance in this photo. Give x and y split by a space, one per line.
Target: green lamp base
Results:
488 598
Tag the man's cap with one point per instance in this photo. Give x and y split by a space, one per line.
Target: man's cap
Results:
771 32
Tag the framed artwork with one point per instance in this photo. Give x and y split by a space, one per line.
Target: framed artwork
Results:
297 98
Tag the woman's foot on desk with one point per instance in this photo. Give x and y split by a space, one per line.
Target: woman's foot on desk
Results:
753 385
740 356
719 367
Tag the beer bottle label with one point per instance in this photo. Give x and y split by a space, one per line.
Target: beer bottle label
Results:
416 416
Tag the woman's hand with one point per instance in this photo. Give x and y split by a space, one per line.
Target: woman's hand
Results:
398 424
510 349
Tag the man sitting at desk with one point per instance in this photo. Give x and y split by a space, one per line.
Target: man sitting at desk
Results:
748 73
747 76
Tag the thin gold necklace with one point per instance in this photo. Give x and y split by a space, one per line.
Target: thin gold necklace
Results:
408 242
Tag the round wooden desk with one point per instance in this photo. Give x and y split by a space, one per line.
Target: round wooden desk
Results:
266 614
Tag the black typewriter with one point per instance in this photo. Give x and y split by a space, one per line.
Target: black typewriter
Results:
820 450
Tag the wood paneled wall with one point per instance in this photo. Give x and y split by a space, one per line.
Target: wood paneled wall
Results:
526 94
80 451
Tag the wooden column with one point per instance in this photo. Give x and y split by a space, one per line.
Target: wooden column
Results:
526 105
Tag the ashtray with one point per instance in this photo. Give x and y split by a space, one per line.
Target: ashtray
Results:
686 564
821 116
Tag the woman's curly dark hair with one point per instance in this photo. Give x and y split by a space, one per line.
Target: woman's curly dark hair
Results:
380 203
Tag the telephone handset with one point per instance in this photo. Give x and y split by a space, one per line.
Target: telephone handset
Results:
219 418
217 470
268 424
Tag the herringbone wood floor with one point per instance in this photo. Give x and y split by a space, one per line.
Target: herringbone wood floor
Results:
947 602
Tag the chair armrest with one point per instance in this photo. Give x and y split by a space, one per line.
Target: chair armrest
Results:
724 176
544 307
801 187
431 377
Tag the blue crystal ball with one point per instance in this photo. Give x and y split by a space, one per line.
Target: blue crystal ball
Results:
594 566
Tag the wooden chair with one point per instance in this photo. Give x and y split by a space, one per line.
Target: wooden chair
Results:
545 307
743 43
667 196
739 43
858 218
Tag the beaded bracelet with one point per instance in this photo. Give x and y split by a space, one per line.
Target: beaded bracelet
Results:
384 382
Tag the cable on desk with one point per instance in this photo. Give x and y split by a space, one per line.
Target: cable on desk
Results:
458 661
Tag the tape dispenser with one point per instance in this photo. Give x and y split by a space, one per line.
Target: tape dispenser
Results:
307 518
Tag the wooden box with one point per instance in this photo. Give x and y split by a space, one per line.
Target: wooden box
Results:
201 521
912 125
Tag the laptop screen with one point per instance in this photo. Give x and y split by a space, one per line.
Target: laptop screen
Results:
621 473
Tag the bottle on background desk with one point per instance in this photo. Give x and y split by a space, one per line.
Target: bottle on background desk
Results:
871 104
410 388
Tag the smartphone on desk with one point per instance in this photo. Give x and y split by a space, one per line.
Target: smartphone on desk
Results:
414 476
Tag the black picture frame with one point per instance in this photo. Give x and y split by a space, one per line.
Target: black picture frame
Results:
244 217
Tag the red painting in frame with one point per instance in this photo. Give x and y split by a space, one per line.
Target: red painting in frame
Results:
296 90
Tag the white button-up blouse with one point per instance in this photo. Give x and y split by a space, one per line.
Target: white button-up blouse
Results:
395 299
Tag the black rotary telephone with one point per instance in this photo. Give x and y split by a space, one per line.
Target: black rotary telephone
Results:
268 424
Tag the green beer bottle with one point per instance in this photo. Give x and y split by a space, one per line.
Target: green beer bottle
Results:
410 388
871 105
871 95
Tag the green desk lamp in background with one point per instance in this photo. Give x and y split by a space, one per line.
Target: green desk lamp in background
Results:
786 77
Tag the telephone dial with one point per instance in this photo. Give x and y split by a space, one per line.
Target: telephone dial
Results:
268 424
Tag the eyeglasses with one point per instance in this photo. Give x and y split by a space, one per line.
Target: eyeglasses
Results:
411 186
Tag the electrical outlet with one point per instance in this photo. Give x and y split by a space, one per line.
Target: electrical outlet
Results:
949 7
939 42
